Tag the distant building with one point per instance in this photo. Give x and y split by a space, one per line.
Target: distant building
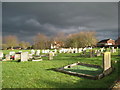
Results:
117 42
56 44
106 42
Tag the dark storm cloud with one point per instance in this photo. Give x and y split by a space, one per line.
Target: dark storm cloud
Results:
27 19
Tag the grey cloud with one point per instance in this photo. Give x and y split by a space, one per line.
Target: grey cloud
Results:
27 19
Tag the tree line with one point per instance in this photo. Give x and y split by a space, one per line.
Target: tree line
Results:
41 41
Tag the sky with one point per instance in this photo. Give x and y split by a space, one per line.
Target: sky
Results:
26 19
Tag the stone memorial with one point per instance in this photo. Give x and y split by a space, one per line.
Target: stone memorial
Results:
43 51
7 57
30 56
32 52
102 49
38 53
76 51
50 55
1 55
55 50
17 56
98 54
106 60
24 56
12 53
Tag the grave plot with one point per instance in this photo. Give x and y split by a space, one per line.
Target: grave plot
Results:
88 70
84 69
89 54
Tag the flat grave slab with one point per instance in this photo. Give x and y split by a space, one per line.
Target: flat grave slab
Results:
37 60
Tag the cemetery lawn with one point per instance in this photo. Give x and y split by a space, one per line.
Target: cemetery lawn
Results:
40 74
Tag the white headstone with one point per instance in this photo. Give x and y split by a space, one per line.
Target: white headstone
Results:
12 53
32 51
24 56
7 57
1 55
38 52
17 56
50 55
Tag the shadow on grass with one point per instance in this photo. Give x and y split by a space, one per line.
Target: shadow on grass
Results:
89 72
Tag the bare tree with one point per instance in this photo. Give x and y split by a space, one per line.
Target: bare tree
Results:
24 44
41 41
10 41
81 39
59 38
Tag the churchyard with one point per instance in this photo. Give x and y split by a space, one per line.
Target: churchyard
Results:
37 68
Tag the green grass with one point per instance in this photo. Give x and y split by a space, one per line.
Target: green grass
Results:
85 70
39 74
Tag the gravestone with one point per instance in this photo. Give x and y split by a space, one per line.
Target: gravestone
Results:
55 50
12 53
113 50
96 51
50 55
98 54
43 51
91 53
72 51
7 57
106 60
60 51
102 49
79 50
17 56
30 56
76 51
32 52
1 55
38 52
24 56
